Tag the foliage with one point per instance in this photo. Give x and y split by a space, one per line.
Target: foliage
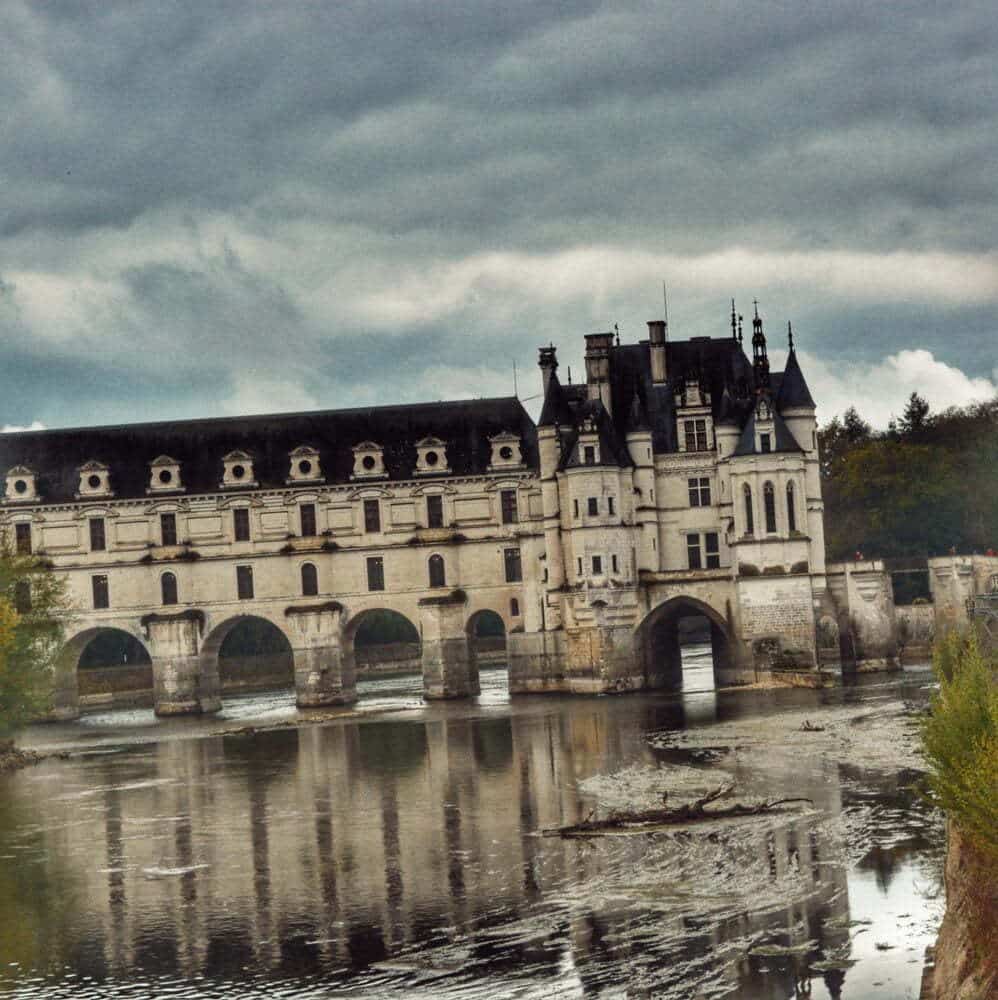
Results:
960 737
31 635
927 485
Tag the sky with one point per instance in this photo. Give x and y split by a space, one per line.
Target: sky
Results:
221 208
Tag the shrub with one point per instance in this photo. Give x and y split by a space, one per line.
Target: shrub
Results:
748 569
960 738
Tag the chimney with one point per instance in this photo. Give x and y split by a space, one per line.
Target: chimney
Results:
656 335
548 364
598 347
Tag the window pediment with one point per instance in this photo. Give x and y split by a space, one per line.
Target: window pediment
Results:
506 451
305 465
431 457
237 470
95 480
368 461
21 485
164 475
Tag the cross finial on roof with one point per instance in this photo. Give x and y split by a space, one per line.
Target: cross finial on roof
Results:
790 335
755 302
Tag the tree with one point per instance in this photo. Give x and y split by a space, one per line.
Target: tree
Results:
32 609
915 417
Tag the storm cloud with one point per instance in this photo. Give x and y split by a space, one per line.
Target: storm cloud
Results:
230 207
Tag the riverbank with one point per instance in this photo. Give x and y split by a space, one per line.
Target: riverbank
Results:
12 758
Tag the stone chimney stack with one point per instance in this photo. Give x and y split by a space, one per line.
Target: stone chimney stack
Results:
656 335
548 363
598 347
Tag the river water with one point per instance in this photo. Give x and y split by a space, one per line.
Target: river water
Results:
395 851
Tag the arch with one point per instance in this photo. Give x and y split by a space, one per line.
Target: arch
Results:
437 571
486 630
769 506
383 641
749 511
168 588
791 508
658 644
107 665
250 653
309 580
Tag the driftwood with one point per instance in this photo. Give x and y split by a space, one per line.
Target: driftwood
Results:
691 812
809 727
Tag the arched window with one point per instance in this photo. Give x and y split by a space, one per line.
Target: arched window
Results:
309 580
168 586
749 513
791 508
438 577
769 500
514 608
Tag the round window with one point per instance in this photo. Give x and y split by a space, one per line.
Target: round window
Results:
93 482
165 476
369 462
305 467
432 458
238 472
505 453
20 486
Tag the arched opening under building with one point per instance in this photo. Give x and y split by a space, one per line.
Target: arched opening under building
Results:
487 641
385 644
254 655
114 669
683 645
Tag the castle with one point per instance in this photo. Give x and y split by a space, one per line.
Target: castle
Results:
681 478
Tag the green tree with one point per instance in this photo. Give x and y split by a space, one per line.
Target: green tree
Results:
915 418
33 605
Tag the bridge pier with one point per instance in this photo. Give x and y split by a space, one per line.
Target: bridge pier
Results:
449 670
184 681
324 674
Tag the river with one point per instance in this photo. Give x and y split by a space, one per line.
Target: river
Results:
395 851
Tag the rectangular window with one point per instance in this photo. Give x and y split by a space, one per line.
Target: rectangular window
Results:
240 524
511 560
434 511
597 565
22 537
765 444
589 454
97 540
695 433
575 507
507 500
101 596
609 505
699 488
244 583
693 551
375 573
712 550
307 514
613 564
593 506
372 516
168 529
580 565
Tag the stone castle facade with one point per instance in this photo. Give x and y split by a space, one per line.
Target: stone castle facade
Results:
680 479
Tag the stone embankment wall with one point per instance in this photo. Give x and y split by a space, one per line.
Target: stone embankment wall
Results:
966 955
916 630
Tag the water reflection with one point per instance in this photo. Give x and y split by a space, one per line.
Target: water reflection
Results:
402 858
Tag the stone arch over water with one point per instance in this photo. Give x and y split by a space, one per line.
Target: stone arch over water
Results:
249 653
487 632
382 640
103 666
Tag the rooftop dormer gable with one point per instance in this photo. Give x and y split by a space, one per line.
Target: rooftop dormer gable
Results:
431 457
368 461
237 470
305 465
164 475
95 480
21 485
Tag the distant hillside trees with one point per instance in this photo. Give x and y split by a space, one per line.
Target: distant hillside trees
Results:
926 485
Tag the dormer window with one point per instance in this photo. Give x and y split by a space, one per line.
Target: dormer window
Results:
164 475
589 454
431 457
506 451
695 436
21 486
368 461
95 480
305 466
237 470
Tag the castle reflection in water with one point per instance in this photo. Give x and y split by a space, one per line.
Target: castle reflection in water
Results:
317 852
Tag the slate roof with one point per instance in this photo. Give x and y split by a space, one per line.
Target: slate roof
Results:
198 445
793 391
783 440
612 450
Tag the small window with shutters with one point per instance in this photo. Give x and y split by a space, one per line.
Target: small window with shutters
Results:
244 583
101 595
597 565
241 524
593 506
508 503
98 543
309 580
22 538
375 573
693 552
434 511
168 529
168 587
513 567
712 550
306 513
372 516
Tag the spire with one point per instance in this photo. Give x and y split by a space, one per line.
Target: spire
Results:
793 392
760 359
790 336
734 323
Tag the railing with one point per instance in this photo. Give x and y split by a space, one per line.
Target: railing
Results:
983 611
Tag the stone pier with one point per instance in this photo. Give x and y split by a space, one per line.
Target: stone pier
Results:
449 670
184 681
324 674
